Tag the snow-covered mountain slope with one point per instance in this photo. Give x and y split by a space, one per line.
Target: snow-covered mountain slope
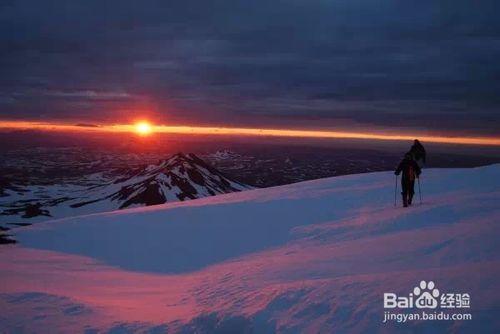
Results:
309 257
177 178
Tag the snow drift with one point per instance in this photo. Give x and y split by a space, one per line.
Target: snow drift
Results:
315 256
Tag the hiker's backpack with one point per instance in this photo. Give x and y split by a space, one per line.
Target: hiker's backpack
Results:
411 173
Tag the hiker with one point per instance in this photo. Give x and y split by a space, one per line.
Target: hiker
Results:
417 152
410 170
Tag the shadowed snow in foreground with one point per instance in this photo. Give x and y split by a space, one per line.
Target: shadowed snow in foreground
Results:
313 256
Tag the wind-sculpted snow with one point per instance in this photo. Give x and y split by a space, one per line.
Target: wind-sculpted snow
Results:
310 257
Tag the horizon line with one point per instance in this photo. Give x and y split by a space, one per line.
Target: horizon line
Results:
243 131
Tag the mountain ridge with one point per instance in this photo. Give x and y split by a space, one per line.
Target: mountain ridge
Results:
179 177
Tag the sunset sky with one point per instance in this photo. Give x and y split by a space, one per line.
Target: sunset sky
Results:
400 68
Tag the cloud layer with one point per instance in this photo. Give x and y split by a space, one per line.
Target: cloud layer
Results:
416 64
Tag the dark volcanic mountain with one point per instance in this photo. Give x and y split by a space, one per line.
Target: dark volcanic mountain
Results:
178 178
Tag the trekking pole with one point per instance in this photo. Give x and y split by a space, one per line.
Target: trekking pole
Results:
395 190
419 190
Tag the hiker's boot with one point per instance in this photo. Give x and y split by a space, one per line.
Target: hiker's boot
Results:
405 201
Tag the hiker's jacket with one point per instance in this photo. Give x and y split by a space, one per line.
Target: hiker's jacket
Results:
409 168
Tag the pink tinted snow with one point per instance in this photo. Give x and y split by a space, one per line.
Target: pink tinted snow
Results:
326 276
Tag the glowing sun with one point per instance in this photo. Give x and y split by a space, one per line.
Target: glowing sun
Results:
143 128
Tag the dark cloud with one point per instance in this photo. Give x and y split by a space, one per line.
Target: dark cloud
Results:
87 125
422 64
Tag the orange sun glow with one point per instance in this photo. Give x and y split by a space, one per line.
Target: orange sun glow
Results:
143 128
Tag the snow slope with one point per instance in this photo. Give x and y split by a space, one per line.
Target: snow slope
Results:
311 257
